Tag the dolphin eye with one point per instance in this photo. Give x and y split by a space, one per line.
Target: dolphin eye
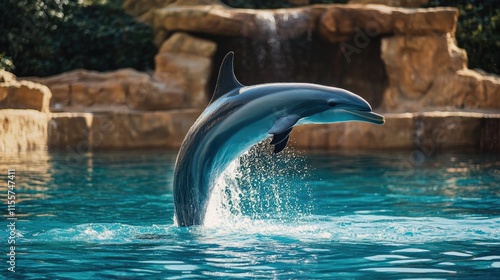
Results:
332 104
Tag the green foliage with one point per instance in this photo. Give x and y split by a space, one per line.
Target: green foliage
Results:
6 63
478 31
46 37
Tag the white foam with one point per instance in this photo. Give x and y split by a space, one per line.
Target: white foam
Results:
243 198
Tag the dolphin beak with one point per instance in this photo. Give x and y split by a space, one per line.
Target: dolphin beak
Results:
355 108
365 116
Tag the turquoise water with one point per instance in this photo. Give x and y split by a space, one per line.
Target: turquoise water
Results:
391 215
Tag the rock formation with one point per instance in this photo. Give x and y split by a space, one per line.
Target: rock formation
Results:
119 109
404 61
183 67
16 94
394 3
418 47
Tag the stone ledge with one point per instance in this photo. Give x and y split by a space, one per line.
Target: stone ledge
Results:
335 22
120 130
16 94
28 130
425 131
25 130
394 3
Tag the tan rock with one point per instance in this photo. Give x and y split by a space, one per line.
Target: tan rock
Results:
221 20
396 133
22 130
206 19
477 91
181 42
70 132
418 69
340 23
60 96
83 90
394 3
430 72
185 62
23 94
447 130
425 133
180 123
425 70
79 133
317 137
153 95
142 129
144 9
90 93
336 22
362 22
6 77
188 72
491 91
425 21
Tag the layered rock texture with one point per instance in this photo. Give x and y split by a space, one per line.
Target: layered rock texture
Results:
16 94
404 61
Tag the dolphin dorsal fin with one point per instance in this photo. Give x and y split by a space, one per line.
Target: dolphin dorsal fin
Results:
226 80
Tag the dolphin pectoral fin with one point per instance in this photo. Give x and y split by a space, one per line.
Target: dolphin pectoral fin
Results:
281 145
283 124
280 140
280 137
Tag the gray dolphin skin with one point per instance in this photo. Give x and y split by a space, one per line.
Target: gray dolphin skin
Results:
239 117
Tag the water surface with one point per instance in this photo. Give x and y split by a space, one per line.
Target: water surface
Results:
312 215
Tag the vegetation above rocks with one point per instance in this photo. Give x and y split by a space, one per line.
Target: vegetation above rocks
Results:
478 31
46 37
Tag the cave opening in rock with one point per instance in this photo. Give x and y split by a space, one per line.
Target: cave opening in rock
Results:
308 58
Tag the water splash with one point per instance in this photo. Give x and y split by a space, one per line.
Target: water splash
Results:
260 186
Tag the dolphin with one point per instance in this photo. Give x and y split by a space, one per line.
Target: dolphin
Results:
238 117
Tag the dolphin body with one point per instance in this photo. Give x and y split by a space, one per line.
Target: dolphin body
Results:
239 117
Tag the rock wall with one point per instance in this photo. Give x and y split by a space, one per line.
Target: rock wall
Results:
425 132
183 67
433 74
23 130
422 84
82 132
16 94
115 110
424 67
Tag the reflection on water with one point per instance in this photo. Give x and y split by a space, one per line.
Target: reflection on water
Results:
311 215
